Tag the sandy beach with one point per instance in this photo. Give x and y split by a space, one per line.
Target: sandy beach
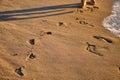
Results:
57 40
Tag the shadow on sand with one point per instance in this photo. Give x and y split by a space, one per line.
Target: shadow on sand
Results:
37 12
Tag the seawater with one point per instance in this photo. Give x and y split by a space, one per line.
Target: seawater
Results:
112 22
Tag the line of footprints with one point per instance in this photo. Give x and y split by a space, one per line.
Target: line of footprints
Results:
30 54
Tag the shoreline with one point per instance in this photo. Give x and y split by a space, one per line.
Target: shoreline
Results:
111 23
107 12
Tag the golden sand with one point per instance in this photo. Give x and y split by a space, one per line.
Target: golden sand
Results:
57 40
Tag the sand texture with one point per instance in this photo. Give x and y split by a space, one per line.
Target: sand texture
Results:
57 40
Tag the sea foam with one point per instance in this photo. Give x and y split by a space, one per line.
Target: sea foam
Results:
112 22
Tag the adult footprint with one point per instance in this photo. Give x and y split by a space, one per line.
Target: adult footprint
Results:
103 38
19 71
92 48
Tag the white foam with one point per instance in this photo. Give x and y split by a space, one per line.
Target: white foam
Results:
112 22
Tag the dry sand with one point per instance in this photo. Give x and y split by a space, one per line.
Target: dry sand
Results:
56 40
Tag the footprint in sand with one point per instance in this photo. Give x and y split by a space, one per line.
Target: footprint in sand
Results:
61 24
83 22
19 71
91 9
49 33
30 55
32 41
42 33
95 7
79 10
103 38
92 48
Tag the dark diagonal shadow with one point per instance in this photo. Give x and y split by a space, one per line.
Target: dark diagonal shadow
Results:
31 13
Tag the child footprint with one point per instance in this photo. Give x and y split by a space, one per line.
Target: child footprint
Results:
83 22
42 33
32 41
31 55
19 71
61 24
